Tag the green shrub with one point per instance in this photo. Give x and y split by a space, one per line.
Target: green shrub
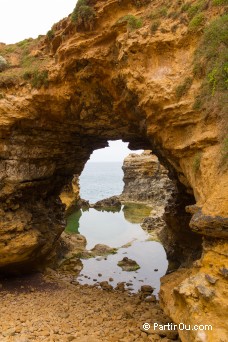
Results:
198 70
211 65
174 15
39 79
27 75
183 89
197 161
212 77
132 21
83 14
3 64
196 22
185 7
219 2
10 49
50 34
24 43
158 13
195 9
26 60
155 25
197 104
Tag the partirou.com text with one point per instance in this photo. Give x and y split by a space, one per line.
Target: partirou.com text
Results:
180 326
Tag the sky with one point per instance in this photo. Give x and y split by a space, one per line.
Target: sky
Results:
116 152
20 19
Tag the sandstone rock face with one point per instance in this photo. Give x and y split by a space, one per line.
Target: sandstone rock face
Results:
106 84
145 180
110 83
70 195
199 295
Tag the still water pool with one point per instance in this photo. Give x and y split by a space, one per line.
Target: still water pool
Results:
120 230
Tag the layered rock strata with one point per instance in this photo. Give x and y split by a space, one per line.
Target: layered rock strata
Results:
109 83
112 82
145 180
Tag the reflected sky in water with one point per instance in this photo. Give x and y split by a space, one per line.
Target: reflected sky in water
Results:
117 229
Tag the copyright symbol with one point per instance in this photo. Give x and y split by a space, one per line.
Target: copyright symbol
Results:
146 326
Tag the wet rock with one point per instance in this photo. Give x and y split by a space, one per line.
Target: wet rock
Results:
71 265
147 288
150 299
128 264
100 249
106 286
74 243
120 287
85 254
111 202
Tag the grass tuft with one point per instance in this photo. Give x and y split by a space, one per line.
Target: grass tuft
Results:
196 22
197 161
132 21
183 88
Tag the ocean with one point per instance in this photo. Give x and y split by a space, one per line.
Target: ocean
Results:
101 180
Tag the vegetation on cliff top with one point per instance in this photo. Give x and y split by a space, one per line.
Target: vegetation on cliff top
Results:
211 66
24 61
83 15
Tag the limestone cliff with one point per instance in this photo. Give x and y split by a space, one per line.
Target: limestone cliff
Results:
153 76
145 180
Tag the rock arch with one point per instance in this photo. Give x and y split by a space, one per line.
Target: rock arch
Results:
106 84
103 85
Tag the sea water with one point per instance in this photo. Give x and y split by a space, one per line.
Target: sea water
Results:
120 229
101 180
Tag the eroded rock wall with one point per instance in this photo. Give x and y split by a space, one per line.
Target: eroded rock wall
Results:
70 196
108 83
145 180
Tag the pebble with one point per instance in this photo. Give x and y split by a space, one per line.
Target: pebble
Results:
63 312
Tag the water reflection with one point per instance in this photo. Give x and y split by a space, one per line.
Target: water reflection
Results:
135 213
120 230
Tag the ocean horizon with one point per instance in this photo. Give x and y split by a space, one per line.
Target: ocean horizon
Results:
101 180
